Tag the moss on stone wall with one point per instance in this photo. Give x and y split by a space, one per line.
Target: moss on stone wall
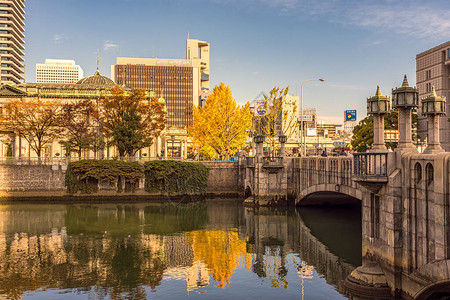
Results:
84 175
175 177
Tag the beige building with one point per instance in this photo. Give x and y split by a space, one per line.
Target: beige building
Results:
12 44
433 69
58 71
93 88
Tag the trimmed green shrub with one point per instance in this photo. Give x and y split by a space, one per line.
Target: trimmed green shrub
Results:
84 175
175 177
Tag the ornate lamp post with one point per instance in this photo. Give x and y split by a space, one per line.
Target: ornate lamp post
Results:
405 98
378 106
433 107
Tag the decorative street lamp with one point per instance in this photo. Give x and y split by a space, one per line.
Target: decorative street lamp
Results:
303 152
378 106
405 98
433 106
259 140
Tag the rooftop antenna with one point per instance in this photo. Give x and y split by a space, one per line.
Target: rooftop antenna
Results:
98 59
188 35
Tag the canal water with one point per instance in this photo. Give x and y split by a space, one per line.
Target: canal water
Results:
210 250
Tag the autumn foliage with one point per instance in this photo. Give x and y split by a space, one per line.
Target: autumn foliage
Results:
34 120
219 128
131 121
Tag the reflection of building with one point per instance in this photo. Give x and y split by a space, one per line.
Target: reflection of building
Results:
12 16
92 88
58 71
433 69
181 83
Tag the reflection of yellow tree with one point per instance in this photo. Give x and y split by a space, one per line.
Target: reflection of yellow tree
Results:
221 251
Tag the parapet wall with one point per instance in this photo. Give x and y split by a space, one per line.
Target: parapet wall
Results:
23 178
224 177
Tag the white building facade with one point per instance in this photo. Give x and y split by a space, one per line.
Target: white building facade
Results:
58 71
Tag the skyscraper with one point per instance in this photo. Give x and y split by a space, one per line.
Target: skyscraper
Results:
433 69
58 71
12 34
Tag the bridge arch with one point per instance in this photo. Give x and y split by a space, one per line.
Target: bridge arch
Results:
326 187
439 290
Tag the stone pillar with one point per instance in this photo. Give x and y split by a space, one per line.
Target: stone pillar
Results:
404 128
434 144
283 150
378 134
259 140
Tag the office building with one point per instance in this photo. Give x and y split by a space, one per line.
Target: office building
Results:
12 44
198 52
433 69
183 83
58 71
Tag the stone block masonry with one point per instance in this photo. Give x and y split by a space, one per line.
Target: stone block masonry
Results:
23 178
224 177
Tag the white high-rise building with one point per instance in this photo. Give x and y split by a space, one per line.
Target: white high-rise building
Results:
58 71
12 44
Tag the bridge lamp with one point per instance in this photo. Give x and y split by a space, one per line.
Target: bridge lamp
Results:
378 106
433 106
405 98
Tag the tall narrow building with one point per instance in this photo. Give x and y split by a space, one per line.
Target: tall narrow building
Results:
433 69
12 44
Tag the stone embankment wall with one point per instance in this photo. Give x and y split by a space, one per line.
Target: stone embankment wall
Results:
224 177
23 178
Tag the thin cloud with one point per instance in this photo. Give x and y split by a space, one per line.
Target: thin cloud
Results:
108 45
415 18
58 38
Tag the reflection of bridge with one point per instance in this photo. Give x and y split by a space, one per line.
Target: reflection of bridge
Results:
287 233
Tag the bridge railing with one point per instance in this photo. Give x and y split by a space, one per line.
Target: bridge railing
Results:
370 164
310 171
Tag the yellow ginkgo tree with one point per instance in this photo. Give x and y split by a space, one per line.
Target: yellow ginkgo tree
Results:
220 127
279 120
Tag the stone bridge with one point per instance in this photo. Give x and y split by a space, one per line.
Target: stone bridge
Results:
405 199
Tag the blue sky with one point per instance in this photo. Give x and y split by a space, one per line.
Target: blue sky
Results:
255 44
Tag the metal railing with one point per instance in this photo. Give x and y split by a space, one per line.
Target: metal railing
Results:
370 164
45 160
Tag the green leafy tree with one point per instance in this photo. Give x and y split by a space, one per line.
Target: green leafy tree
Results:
279 120
362 139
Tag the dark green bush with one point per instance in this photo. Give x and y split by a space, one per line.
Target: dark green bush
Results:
84 175
175 177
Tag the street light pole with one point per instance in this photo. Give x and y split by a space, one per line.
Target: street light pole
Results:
303 151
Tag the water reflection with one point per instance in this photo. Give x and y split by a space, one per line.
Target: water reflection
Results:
123 251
